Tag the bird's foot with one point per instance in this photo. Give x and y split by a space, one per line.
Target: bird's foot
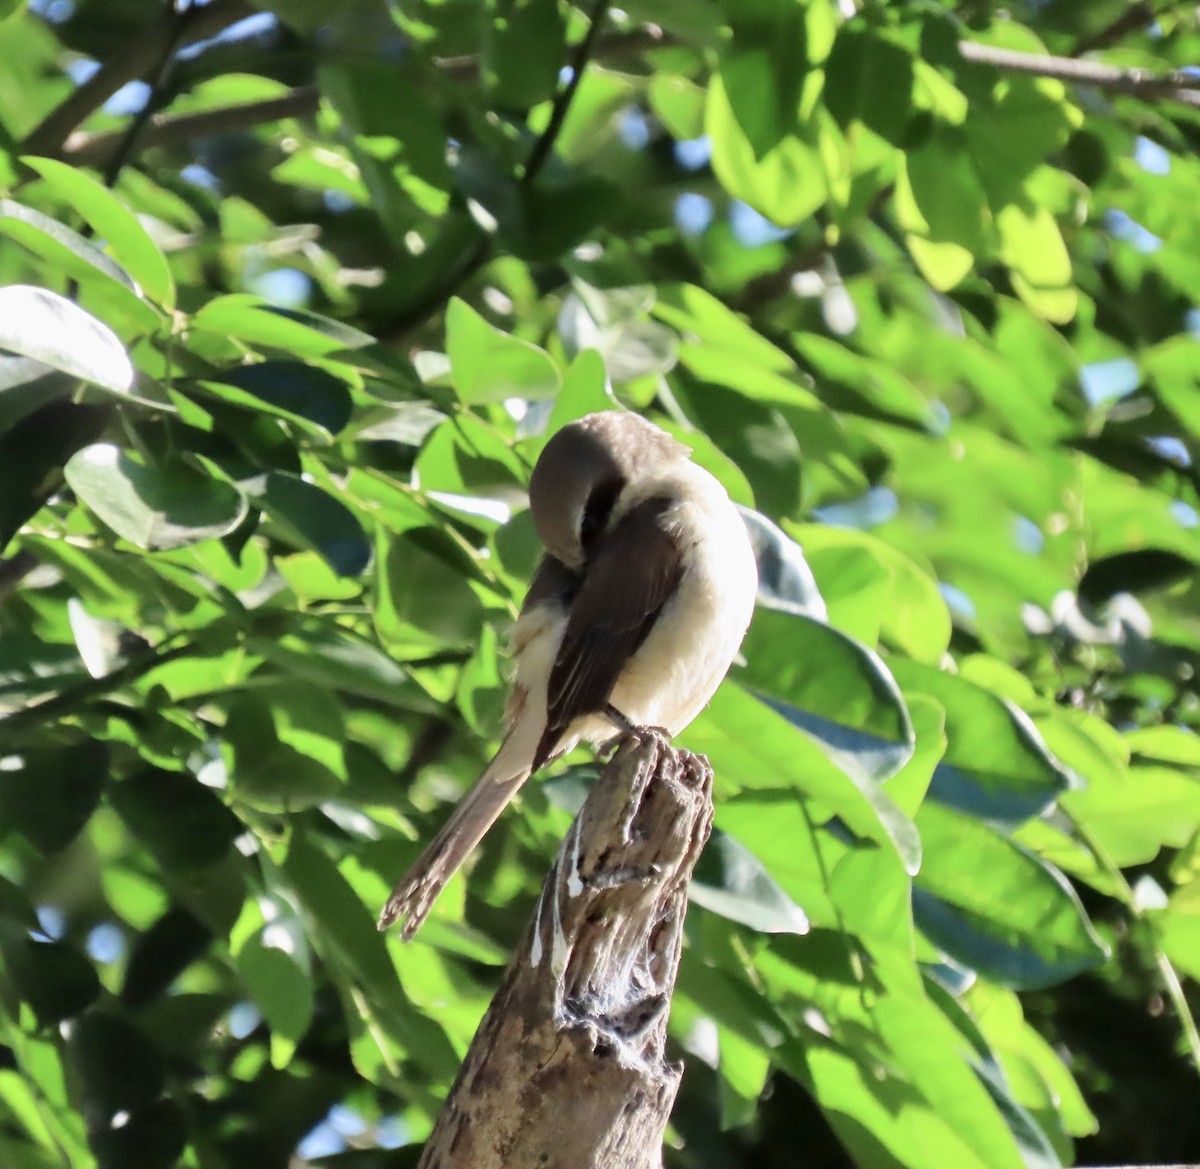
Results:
628 727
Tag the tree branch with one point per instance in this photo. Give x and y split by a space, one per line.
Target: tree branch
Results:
68 700
140 56
562 100
481 251
91 149
185 13
94 149
1176 85
1135 17
568 1069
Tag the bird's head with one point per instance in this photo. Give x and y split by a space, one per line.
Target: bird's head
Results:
582 472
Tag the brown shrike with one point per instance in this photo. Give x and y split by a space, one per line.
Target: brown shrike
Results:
633 618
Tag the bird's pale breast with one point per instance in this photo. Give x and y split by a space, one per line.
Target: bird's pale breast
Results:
677 669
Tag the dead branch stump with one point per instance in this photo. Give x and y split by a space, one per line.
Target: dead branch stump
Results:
568 1069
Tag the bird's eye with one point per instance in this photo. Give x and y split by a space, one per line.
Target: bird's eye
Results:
597 510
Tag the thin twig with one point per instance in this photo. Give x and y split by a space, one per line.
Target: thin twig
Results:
73 697
765 288
185 14
302 101
480 252
398 329
562 101
1177 85
299 102
1166 971
1136 16
132 62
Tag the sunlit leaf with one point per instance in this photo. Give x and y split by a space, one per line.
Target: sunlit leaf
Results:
489 366
1023 927
52 330
153 506
113 222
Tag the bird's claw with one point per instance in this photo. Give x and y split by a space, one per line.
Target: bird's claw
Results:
628 727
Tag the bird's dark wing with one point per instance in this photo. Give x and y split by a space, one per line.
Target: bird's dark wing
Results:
553 583
633 572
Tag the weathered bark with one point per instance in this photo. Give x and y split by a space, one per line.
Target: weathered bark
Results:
568 1069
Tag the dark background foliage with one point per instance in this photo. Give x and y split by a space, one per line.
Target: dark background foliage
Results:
291 294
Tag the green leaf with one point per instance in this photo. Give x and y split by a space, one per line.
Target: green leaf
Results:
289 389
281 988
871 387
880 1119
489 366
1032 246
398 140
679 104
996 765
830 686
693 310
911 611
295 332
1022 926
759 438
777 829
25 224
342 929
751 746
183 823
869 79
1027 1056
910 784
52 330
524 48
940 196
66 252
55 979
786 184
482 689
585 390
1133 813
328 657
48 794
873 896
284 745
425 598
149 505
1166 744
731 880
1171 367
855 586
1016 127
122 232
758 69
932 1054
308 517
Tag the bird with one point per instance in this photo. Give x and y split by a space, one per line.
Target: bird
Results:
631 621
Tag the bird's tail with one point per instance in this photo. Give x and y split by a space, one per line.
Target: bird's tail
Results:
477 811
